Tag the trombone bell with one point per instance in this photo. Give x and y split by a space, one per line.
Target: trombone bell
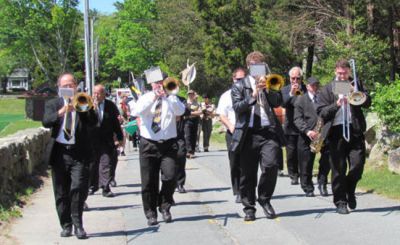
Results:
357 98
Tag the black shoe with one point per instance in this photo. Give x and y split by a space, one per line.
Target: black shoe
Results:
342 208
85 207
181 189
92 190
166 215
351 198
108 193
310 194
80 233
250 216
66 232
206 150
152 221
238 199
123 153
323 190
269 210
295 181
113 183
281 173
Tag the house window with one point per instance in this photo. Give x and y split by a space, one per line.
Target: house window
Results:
16 83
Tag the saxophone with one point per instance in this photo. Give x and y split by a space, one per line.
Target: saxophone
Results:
317 143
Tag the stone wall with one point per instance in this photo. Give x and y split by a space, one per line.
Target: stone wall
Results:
20 154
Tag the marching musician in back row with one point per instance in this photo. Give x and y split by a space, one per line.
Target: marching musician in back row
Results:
344 127
310 141
258 137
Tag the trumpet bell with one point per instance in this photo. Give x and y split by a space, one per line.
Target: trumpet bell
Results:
274 82
82 102
171 85
298 92
357 98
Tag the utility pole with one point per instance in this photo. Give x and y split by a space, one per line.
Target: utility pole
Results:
88 82
92 49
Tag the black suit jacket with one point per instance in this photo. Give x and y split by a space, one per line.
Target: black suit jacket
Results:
85 122
104 131
288 103
242 101
327 109
305 114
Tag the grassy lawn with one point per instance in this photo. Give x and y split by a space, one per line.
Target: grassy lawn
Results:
12 117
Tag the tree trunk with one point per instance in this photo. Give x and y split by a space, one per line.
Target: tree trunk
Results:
392 48
370 16
310 59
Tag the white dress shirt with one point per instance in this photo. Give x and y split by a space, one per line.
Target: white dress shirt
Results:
101 111
170 108
225 107
60 137
264 118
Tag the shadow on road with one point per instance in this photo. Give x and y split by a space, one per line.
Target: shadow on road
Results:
209 189
200 202
128 193
113 207
287 196
387 210
209 217
134 233
306 212
129 185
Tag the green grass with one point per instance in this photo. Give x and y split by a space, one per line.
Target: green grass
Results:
217 135
12 117
382 181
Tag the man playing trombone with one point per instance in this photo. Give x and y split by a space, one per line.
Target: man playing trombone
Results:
344 126
258 136
71 153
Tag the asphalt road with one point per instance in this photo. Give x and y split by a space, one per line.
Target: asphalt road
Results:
207 214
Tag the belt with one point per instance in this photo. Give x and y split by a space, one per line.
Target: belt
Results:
66 146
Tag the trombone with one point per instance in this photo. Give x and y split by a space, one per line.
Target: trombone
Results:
356 97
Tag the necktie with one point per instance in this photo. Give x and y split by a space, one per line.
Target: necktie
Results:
100 113
68 125
257 117
156 124
315 101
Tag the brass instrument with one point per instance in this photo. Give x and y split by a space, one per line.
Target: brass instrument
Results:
274 82
356 97
298 92
317 143
82 102
171 85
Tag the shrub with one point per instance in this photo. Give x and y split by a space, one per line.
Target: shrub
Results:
386 103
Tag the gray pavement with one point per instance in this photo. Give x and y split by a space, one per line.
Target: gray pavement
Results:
208 215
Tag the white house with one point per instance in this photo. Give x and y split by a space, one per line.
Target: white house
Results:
19 80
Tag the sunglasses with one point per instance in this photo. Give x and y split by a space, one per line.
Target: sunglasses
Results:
296 78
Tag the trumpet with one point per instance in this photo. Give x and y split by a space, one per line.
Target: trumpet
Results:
356 97
171 85
298 92
82 102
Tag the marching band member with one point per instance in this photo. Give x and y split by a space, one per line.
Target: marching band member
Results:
306 120
158 149
208 109
258 137
289 94
227 118
71 153
192 123
344 120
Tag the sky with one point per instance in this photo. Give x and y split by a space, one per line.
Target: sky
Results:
104 6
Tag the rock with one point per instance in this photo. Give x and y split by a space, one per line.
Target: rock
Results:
377 156
394 161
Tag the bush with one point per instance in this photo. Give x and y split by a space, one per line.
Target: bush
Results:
386 103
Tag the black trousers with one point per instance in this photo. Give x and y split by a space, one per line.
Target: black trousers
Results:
324 166
292 155
114 162
105 158
207 129
345 155
181 162
156 157
234 163
306 163
191 126
260 147
70 176
94 174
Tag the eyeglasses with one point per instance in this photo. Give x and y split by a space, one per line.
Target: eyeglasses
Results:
295 78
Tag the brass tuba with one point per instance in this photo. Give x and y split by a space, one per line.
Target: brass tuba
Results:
171 85
82 102
356 97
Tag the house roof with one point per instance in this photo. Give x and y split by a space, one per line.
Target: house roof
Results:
19 72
